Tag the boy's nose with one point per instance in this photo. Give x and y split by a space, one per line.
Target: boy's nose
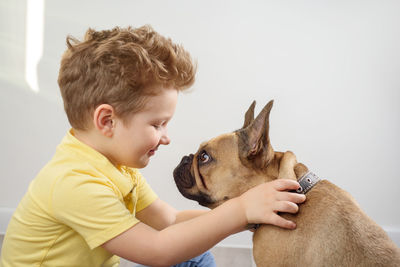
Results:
165 140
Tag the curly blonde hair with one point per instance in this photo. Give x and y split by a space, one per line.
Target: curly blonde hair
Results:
120 67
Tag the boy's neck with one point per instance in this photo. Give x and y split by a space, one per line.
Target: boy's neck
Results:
93 139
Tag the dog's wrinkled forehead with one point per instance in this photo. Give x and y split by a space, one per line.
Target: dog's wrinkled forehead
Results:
225 142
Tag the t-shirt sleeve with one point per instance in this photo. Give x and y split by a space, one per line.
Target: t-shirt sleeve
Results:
145 194
91 207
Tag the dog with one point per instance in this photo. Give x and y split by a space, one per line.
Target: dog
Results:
332 230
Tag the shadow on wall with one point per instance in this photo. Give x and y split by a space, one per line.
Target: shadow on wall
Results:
31 129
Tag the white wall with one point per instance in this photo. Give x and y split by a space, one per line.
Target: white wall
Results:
331 66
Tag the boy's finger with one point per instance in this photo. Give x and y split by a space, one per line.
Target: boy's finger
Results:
286 206
285 184
292 197
281 222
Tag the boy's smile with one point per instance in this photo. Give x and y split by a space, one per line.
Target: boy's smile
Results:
136 141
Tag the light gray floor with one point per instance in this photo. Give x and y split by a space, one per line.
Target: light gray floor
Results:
233 257
224 257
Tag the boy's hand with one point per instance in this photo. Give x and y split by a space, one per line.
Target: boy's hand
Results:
262 203
185 240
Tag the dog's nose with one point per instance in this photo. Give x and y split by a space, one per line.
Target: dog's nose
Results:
187 159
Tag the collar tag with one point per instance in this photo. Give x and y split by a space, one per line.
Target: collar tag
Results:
307 181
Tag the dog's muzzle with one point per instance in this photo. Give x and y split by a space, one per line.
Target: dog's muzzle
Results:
186 182
182 173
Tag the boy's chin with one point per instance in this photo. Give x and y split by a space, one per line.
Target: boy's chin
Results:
141 164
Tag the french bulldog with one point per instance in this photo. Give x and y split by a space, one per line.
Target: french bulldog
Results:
332 230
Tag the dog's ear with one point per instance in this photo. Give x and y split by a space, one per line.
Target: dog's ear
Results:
254 146
249 117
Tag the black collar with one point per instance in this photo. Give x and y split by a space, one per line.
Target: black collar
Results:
307 182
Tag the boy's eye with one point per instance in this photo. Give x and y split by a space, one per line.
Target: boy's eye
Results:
157 126
204 157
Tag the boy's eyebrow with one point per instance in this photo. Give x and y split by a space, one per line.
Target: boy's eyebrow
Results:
165 118
162 118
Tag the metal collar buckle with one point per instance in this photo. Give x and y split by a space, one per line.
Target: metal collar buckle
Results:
307 182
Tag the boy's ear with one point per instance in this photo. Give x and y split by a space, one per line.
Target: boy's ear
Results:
103 119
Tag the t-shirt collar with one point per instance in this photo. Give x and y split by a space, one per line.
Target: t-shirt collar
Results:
119 175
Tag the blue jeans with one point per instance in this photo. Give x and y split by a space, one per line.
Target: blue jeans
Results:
204 260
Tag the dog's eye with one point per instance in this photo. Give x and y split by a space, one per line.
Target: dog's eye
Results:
204 157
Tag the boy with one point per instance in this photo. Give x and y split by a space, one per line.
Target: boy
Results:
90 202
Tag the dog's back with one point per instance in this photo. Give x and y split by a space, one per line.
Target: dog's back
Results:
331 231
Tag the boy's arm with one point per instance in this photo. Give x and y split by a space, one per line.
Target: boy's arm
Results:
185 240
160 215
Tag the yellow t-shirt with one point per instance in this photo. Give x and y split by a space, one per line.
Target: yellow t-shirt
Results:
78 201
